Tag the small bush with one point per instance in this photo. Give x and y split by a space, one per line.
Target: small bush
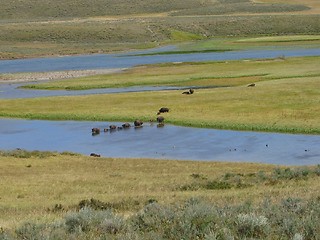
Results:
88 219
251 225
217 185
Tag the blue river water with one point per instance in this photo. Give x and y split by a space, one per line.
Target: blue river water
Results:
168 142
108 61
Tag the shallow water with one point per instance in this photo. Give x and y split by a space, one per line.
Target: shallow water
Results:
169 142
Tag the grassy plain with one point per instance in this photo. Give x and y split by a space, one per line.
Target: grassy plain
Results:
285 98
43 187
33 184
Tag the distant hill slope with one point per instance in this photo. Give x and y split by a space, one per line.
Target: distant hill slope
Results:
31 28
48 9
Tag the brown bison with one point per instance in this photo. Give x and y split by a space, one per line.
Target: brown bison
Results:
94 155
191 91
163 110
95 131
138 123
160 119
126 125
113 127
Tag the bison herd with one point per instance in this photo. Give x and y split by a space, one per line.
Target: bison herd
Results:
136 124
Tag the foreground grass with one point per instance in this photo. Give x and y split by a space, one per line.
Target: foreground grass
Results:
41 187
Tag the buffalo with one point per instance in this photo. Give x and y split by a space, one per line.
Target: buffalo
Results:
95 131
126 125
160 119
138 123
163 110
190 91
113 127
94 155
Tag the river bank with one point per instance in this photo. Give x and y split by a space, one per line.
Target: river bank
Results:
47 76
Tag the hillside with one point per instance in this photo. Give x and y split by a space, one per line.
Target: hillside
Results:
33 28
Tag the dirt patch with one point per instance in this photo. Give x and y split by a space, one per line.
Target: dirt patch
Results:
46 76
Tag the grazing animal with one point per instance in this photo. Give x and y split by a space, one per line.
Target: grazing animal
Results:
251 85
138 123
191 91
95 131
94 155
126 125
160 119
163 110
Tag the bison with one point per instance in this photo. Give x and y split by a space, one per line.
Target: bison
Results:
160 119
163 110
138 123
94 155
126 125
113 127
95 131
191 91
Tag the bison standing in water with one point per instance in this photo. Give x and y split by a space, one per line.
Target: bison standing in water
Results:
126 125
138 123
95 131
163 110
112 127
160 119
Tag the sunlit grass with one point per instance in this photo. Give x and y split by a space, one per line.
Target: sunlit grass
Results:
208 74
292 38
31 186
283 105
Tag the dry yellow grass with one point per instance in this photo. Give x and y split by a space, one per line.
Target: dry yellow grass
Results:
30 186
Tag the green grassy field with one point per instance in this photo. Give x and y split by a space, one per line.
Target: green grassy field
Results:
285 98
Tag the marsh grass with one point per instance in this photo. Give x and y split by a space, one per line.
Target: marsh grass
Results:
285 98
227 73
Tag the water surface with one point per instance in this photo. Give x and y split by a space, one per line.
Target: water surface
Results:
169 142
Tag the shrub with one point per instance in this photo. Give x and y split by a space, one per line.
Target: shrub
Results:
251 225
88 219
